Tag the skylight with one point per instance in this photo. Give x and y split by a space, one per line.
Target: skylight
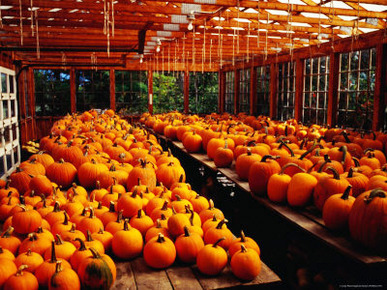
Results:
55 10
242 20
314 15
297 2
347 18
374 7
5 7
300 24
277 12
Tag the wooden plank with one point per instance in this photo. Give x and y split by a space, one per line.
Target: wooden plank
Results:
147 278
226 279
183 278
125 277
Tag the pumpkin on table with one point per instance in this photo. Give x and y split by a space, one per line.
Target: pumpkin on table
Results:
22 280
212 259
159 252
246 264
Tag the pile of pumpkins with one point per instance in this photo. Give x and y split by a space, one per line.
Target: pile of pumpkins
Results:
342 173
102 188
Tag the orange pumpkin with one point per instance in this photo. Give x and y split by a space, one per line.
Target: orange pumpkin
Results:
159 252
212 259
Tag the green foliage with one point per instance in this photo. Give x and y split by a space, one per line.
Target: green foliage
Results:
168 92
203 92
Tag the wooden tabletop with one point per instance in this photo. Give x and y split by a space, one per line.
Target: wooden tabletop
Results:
137 275
307 220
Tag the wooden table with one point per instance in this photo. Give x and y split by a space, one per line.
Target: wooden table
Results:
137 275
307 220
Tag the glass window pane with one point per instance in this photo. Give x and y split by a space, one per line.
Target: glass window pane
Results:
5 109
11 84
4 88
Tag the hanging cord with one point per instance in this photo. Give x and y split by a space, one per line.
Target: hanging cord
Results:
193 46
319 26
332 10
112 18
233 48
1 18
204 45
32 17
289 29
64 60
267 28
211 53
108 29
21 22
248 44
37 35
169 57
176 56
238 29
259 25
219 41
162 64
104 18
357 21
184 57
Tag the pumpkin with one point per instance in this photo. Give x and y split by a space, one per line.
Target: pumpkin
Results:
212 259
64 249
223 156
244 162
210 212
95 244
327 186
45 271
177 222
33 167
62 173
127 243
72 234
98 271
64 278
159 252
367 220
342 155
56 215
110 215
41 185
36 243
90 223
247 242
129 204
246 264
22 280
156 202
300 189
215 233
20 179
164 210
99 192
145 173
88 173
358 181
104 237
192 142
336 210
26 221
59 227
260 173
199 203
141 222
188 246
31 259
156 230
43 158
278 183
7 254
170 173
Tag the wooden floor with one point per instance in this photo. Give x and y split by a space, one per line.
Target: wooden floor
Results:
137 275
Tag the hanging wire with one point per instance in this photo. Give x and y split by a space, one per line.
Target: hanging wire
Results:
169 57
184 57
211 53
21 22
162 64
193 47
204 45
248 44
108 29
221 51
233 48
1 18
238 30
319 26
104 18
259 25
113 18
332 10
37 35
266 33
64 60
32 17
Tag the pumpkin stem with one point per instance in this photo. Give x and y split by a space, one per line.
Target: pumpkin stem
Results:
178 198
163 217
158 224
98 185
311 168
218 241
266 157
346 192
95 253
21 269
221 223
59 239
139 213
92 215
377 192
111 207
56 207
66 218
8 232
126 225
336 175
100 231
309 151
165 206
243 249
29 252
343 149
181 178
161 238
243 237
290 165
287 147
82 246
350 172
53 254
211 204
357 162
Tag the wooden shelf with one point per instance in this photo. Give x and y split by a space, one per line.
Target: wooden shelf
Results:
304 219
137 275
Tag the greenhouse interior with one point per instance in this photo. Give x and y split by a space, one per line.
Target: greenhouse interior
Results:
193 144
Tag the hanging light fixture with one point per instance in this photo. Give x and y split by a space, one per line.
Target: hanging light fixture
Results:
191 18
